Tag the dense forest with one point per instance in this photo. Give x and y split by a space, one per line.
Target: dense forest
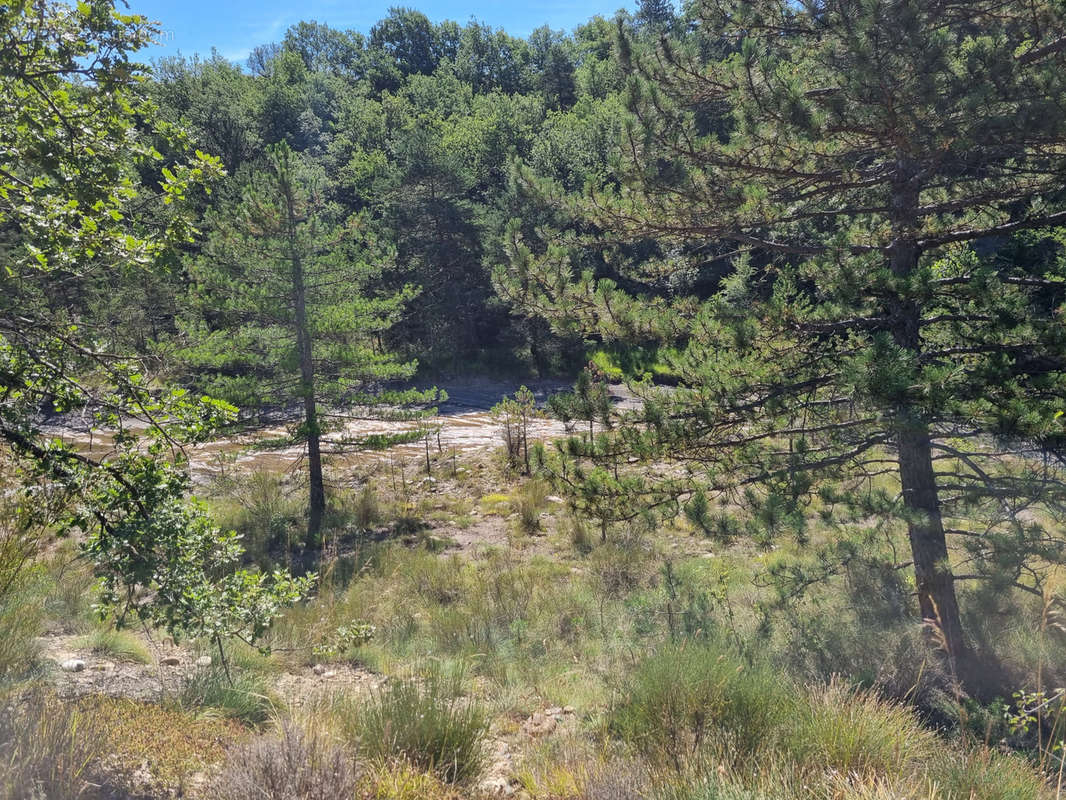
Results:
780 517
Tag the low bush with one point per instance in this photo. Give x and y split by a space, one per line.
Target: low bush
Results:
425 721
291 765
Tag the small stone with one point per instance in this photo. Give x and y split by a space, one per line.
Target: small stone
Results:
73 665
633 459
554 711
170 661
496 787
539 725
552 498
203 661
329 674
318 669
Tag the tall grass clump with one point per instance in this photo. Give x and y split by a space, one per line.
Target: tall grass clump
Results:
961 774
264 510
22 618
293 764
856 732
117 644
22 588
527 503
424 720
48 748
682 697
239 695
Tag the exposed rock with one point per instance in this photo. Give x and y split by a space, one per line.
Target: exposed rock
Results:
170 661
318 669
539 725
554 499
203 661
73 665
497 786
329 674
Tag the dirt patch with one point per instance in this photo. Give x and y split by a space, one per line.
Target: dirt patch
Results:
78 672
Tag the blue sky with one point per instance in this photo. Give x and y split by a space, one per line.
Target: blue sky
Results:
236 26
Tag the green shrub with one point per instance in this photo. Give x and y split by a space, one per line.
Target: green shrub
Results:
425 721
240 695
48 748
291 765
679 698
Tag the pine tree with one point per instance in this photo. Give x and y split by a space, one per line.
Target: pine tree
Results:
287 310
866 183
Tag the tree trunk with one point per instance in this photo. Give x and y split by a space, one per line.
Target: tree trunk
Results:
932 570
316 506
317 500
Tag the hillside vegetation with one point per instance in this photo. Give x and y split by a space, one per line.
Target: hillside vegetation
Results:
780 517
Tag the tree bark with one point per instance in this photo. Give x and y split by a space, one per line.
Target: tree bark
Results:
932 571
316 506
934 580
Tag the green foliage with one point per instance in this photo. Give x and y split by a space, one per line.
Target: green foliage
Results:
190 567
288 309
841 294
424 719
73 210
